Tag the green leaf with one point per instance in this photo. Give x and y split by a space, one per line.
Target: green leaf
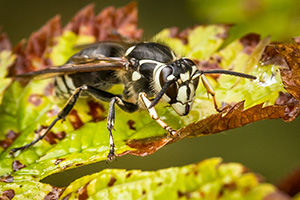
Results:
28 190
209 179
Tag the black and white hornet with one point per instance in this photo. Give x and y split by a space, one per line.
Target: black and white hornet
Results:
148 71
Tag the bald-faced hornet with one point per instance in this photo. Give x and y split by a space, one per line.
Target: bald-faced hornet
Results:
146 70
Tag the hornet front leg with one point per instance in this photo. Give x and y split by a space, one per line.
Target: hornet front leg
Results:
152 112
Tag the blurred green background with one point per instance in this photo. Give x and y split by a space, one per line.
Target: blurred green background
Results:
270 148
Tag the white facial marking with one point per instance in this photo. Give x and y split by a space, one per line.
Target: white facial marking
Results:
136 76
171 77
129 50
184 77
182 95
179 108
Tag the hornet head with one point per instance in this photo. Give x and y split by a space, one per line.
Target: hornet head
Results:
177 83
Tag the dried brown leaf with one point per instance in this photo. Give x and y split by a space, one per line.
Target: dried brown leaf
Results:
292 106
33 56
111 23
229 118
288 57
271 56
83 21
144 147
40 43
291 75
235 117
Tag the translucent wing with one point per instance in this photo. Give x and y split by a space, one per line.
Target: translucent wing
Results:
79 64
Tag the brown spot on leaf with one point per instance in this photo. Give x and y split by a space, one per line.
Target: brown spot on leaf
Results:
183 194
75 119
7 194
57 161
67 166
60 135
230 186
9 139
249 42
17 165
224 34
35 99
52 112
4 42
96 111
183 35
7 179
49 89
52 137
130 124
54 194
111 181
83 193
128 175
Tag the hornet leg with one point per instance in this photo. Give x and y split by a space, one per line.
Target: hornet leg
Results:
154 115
113 99
98 94
210 91
61 115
